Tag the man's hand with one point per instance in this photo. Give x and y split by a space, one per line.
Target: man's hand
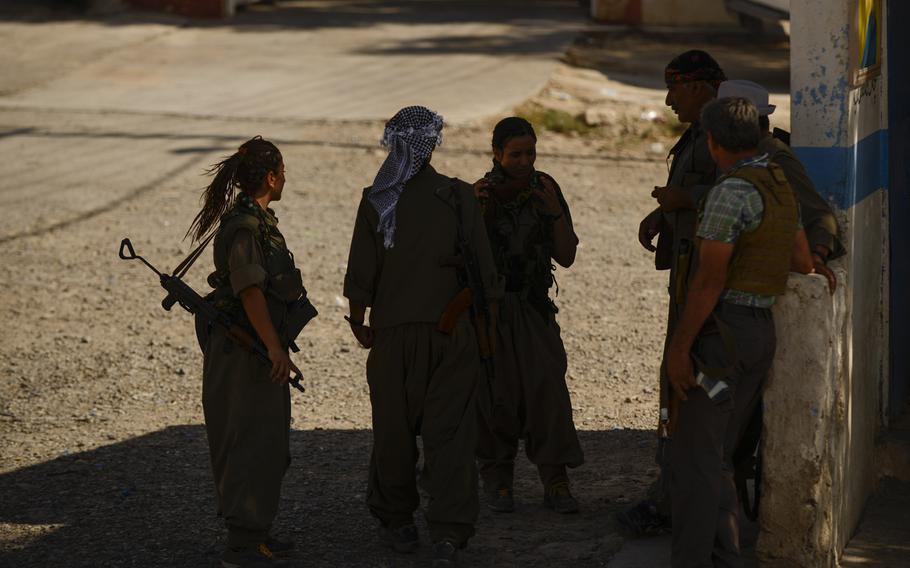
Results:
672 197
281 366
820 267
362 333
648 229
680 371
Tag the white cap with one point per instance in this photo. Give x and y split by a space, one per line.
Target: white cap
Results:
756 94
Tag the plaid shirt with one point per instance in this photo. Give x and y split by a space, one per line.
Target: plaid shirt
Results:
732 207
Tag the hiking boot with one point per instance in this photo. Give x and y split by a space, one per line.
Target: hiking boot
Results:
258 557
403 539
644 519
280 547
501 501
557 496
445 554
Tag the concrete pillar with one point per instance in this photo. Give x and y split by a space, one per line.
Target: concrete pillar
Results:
804 424
827 401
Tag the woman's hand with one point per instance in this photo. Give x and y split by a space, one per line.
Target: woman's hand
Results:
482 188
281 365
549 197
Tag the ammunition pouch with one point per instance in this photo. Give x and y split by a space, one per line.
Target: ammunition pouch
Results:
299 314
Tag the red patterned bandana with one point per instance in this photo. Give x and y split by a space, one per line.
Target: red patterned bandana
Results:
694 65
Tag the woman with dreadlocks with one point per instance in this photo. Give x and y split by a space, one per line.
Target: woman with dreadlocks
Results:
422 374
529 227
246 403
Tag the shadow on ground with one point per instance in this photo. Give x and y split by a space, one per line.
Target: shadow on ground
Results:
148 501
638 58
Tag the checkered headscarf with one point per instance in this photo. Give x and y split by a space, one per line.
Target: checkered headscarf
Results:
411 136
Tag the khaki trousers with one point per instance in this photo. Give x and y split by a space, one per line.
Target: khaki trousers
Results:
247 422
423 382
530 400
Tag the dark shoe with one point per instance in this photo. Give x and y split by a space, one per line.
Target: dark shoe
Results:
644 519
557 496
280 547
259 557
501 501
403 539
445 554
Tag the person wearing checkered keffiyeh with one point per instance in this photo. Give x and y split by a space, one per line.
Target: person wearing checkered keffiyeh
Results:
411 136
422 371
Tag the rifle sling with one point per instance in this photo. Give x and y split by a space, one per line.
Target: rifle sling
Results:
191 258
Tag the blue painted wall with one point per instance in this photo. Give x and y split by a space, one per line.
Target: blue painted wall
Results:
847 175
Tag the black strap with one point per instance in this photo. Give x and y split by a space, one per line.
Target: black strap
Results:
187 262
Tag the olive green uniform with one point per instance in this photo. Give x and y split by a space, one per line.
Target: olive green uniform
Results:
815 213
247 417
422 381
530 397
692 169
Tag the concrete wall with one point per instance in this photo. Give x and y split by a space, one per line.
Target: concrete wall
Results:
663 12
828 399
805 422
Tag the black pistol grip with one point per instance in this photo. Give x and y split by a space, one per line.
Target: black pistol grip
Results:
168 302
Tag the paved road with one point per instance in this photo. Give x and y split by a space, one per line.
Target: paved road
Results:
306 59
282 65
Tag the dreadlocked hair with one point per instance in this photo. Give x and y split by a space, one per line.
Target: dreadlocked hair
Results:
244 170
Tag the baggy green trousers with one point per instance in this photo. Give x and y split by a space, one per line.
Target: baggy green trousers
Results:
530 400
247 420
423 382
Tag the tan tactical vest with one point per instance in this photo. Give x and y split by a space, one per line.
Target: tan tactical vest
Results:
761 258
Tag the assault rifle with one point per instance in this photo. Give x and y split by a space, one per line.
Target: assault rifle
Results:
179 292
474 295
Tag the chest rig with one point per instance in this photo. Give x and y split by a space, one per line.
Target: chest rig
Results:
289 308
521 238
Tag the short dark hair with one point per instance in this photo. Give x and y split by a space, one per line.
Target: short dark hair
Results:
732 122
511 127
694 65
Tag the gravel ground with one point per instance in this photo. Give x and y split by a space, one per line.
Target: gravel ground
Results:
104 461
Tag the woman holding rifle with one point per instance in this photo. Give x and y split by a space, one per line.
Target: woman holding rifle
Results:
247 404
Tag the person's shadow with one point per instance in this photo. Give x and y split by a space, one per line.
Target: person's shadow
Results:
149 501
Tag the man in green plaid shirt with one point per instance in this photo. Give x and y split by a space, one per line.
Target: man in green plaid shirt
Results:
732 207
748 240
